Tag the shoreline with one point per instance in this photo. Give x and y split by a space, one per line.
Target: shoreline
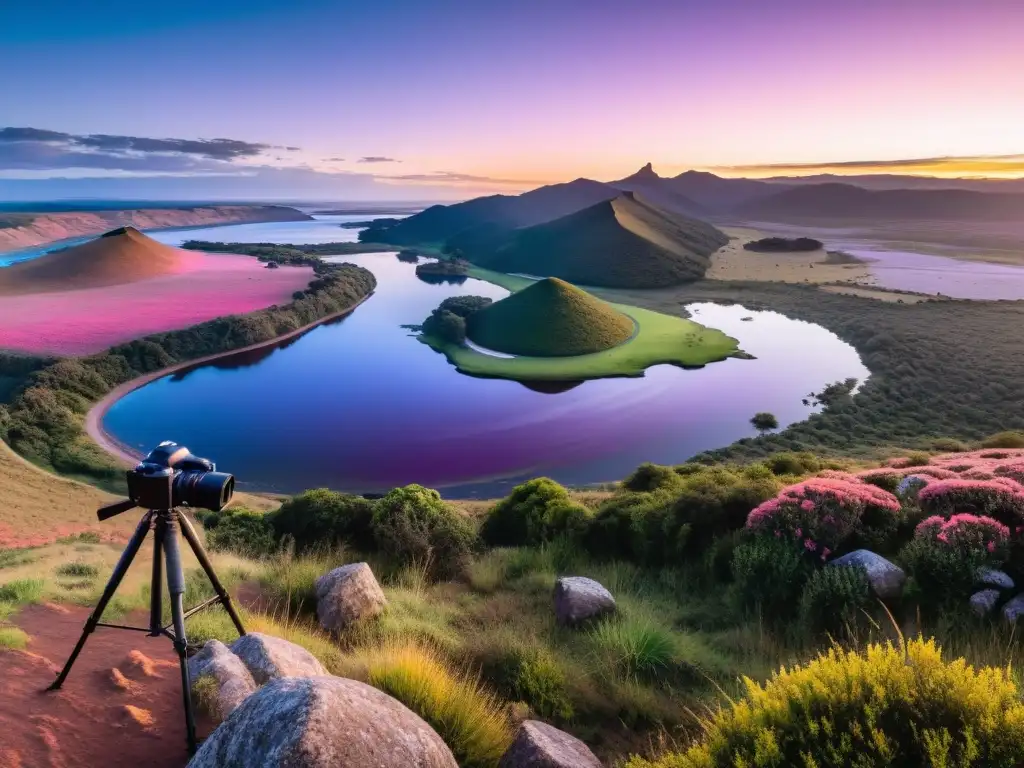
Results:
94 417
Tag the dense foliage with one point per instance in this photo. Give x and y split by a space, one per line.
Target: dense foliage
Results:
783 244
834 600
44 419
535 512
322 519
448 321
889 705
239 530
288 253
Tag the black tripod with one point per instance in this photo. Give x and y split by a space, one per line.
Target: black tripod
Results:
165 524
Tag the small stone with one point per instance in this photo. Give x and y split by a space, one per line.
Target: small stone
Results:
886 579
347 595
1014 609
579 599
539 745
268 658
990 577
322 722
234 681
983 602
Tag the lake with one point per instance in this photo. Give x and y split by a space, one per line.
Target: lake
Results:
361 405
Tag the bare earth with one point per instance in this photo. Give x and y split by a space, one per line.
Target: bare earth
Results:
877 293
732 262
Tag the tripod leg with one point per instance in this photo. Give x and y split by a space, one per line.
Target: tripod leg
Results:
108 592
193 541
156 583
176 588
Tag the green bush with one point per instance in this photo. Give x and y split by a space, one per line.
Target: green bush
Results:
78 569
415 526
949 445
628 526
1009 439
794 463
653 477
323 519
536 511
769 575
834 599
242 531
530 674
887 705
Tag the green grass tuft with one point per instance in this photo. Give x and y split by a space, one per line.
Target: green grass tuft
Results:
13 638
78 569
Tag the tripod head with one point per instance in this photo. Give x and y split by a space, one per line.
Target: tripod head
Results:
171 476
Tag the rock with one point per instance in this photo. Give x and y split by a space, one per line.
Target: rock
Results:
990 577
1013 609
322 722
579 599
346 595
983 602
269 658
539 745
234 681
886 579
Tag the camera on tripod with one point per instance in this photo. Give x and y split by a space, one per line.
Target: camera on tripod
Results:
170 476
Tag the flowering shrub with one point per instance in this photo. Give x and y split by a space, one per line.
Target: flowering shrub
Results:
1000 497
823 512
978 538
886 705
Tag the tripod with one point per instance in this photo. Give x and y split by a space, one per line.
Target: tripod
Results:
165 524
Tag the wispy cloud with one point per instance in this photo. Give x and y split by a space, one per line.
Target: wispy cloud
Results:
950 166
451 177
378 159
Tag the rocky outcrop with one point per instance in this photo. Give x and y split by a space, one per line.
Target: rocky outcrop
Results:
268 658
539 745
886 579
322 722
579 599
984 601
346 595
234 681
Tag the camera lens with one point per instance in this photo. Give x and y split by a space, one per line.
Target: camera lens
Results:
205 490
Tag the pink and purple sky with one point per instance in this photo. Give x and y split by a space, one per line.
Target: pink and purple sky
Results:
404 99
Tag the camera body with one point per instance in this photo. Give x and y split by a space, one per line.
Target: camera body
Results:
171 476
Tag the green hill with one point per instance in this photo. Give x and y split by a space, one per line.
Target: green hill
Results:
551 318
622 243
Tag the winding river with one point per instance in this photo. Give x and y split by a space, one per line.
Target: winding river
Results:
359 404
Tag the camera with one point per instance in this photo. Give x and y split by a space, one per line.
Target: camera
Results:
171 476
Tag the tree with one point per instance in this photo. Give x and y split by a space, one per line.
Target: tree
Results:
764 422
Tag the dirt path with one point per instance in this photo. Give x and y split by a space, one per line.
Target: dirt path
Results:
120 706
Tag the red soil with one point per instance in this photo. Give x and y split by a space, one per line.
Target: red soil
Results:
120 706
202 287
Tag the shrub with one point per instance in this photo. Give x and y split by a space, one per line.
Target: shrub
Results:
530 674
415 526
793 463
78 569
1001 498
242 531
22 591
834 598
1009 439
769 575
625 526
536 511
323 519
764 422
471 721
887 705
652 477
916 459
446 326
949 445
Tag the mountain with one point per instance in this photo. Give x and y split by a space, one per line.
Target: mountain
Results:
440 222
881 181
719 194
622 243
123 255
845 201
550 318
659 192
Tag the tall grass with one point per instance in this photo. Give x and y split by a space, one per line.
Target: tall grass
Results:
12 638
473 722
635 647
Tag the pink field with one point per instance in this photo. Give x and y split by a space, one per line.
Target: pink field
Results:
87 321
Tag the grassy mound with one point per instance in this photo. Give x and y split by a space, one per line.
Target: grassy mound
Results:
551 318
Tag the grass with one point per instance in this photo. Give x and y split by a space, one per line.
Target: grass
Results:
12 638
78 569
660 338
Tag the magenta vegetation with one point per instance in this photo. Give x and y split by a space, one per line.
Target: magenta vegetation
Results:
86 321
972 536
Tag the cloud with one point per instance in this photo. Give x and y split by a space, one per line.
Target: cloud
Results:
377 159
450 177
994 165
335 160
31 134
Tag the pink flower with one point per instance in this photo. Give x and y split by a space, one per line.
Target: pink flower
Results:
798 532
778 534
825 552
991 546
809 545
806 505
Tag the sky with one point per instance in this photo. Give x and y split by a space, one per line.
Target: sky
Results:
402 99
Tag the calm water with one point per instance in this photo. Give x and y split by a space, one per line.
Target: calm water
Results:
361 405
959 279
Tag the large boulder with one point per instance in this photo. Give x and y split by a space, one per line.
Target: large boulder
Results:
539 745
984 601
346 595
233 679
268 658
886 579
322 722
579 599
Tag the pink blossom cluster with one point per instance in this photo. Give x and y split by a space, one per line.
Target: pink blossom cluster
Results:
976 536
999 496
821 511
